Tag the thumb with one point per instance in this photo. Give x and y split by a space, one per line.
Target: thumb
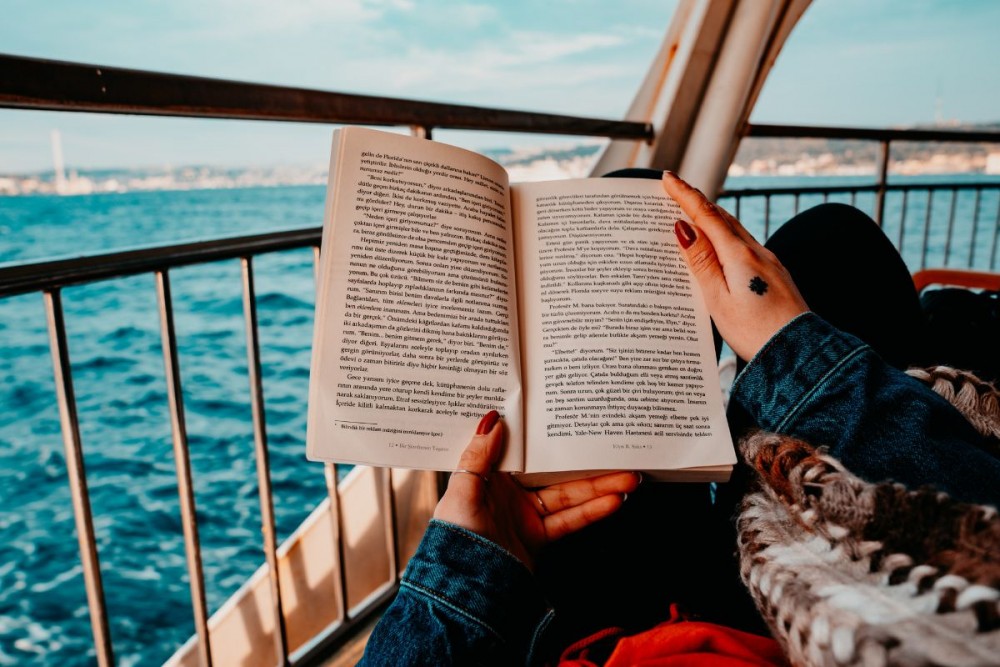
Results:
483 451
478 459
701 258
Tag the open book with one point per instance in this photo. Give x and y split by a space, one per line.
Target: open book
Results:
444 292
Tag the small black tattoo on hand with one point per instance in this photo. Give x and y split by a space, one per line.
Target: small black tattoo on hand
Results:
758 286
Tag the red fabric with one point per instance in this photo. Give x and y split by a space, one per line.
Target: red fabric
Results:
676 643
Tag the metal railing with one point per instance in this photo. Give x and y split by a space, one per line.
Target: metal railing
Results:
758 208
50 278
27 83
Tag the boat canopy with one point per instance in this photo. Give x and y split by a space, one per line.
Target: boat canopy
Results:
702 85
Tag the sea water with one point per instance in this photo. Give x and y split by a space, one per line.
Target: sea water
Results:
114 345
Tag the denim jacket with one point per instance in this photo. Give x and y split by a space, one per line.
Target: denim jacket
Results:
464 600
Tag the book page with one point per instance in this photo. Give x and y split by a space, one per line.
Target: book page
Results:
416 321
620 369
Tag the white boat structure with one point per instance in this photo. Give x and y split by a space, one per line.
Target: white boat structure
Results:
318 592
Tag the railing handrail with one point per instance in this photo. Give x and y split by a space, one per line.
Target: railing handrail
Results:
763 130
54 274
866 187
884 137
35 83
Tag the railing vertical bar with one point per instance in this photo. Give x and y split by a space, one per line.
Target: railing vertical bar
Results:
975 224
263 464
767 217
77 474
951 226
739 200
854 197
826 197
883 176
927 228
902 223
336 507
391 537
182 462
996 234
336 510
796 204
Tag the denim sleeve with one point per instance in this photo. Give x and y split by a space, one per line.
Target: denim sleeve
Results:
463 600
826 387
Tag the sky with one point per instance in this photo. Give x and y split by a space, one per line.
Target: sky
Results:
873 63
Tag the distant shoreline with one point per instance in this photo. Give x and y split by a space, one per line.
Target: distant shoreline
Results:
756 157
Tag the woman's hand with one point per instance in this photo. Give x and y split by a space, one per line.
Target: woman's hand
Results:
749 294
495 506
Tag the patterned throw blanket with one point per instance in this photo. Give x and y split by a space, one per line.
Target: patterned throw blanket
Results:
852 573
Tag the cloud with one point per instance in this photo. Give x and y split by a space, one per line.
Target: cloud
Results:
582 74
270 17
470 17
519 56
532 48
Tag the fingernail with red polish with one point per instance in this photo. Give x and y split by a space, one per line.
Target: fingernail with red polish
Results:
685 234
487 423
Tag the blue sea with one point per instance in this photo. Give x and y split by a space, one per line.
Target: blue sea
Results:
118 373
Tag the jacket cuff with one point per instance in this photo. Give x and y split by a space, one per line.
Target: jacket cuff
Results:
482 581
791 367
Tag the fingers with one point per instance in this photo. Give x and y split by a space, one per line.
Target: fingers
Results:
721 228
570 506
703 213
559 497
573 519
483 451
700 255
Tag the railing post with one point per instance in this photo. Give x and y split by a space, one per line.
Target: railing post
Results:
336 504
78 478
975 224
927 229
391 532
263 462
767 217
902 223
996 234
883 177
951 225
337 514
182 462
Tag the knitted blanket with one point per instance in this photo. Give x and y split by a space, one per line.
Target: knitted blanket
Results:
847 572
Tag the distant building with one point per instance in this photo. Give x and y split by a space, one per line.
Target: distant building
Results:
58 167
